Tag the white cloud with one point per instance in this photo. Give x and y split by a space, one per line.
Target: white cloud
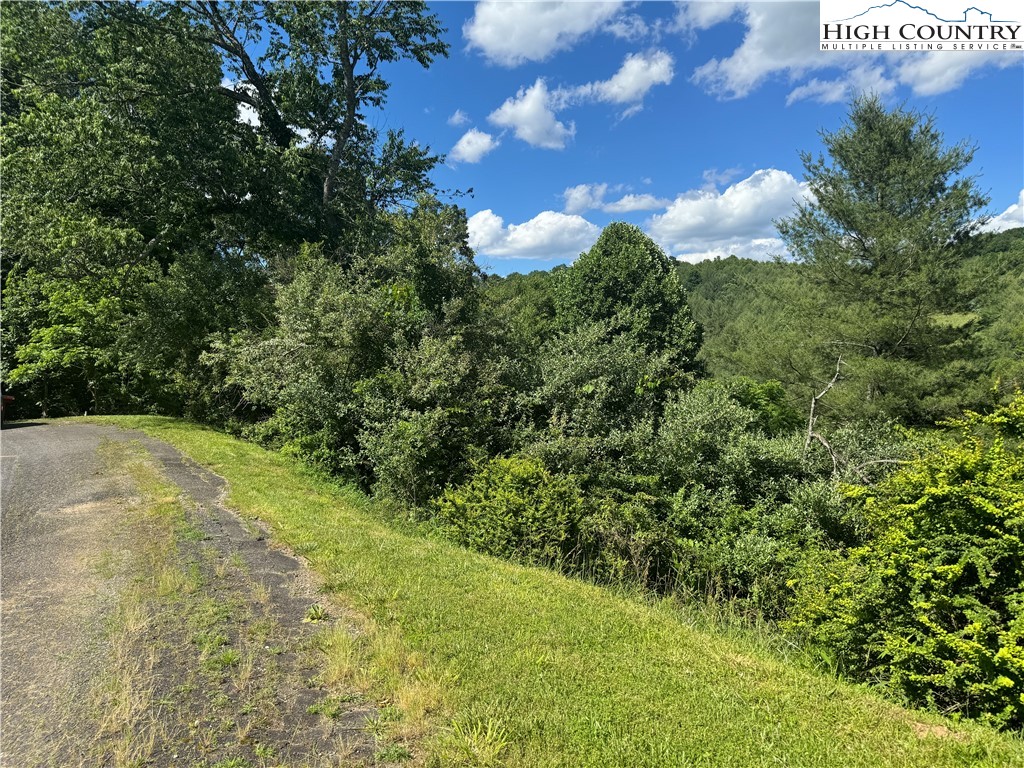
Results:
630 203
692 16
863 78
588 197
638 74
548 235
706 221
929 74
1011 218
584 197
780 37
530 115
628 27
457 118
759 249
714 178
473 146
510 33
246 113
531 112
821 91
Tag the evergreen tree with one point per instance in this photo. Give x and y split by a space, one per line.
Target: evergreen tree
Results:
889 219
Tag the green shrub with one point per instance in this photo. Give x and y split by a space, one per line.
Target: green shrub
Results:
933 602
515 508
415 454
628 539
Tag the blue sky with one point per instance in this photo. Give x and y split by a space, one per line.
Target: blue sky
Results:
686 119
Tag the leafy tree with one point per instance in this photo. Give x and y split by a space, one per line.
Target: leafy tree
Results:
368 370
141 211
322 69
626 275
118 155
889 220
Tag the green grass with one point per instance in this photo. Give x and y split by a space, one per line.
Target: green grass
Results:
542 670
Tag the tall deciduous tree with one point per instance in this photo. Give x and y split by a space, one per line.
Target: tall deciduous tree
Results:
625 272
309 92
118 155
131 177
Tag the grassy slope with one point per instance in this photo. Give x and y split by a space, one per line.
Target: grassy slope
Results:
573 674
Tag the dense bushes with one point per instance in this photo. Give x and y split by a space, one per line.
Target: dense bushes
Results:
933 601
705 502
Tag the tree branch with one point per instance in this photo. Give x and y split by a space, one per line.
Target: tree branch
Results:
814 404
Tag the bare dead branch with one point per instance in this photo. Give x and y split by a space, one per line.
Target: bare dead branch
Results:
812 417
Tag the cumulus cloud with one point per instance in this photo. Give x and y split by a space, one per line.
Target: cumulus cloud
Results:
759 249
472 146
589 197
630 203
933 73
457 118
865 78
584 197
638 74
548 235
530 115
1011 218
511 33
693 16
780 37
737 220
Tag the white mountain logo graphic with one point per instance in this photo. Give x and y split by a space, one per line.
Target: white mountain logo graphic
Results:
904 6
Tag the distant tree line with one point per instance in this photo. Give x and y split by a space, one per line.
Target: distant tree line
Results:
833 443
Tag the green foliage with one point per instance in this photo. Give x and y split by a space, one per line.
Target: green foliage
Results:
626 276
600 377
420 420
767 399
933 601
741 501
119 154
514 507
996 277
129 176
369 370
889 223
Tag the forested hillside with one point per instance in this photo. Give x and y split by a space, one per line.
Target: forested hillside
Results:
773 321
832 443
